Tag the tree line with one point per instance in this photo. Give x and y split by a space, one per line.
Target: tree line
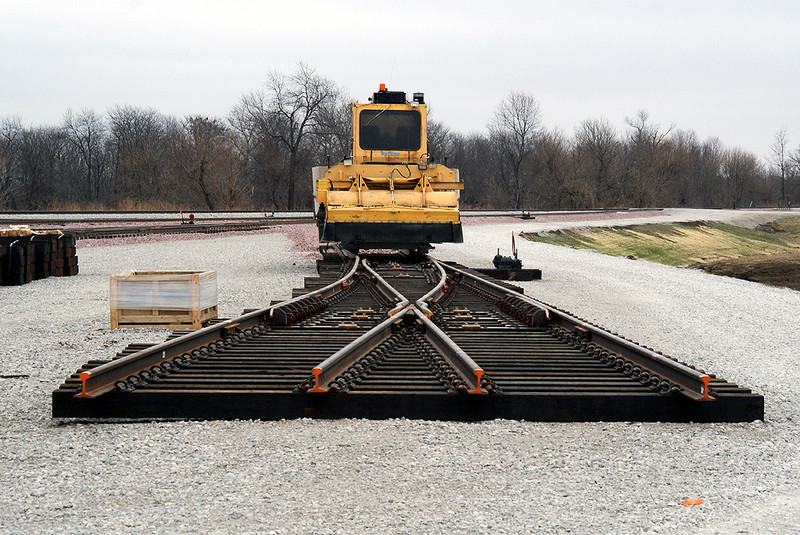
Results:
260 157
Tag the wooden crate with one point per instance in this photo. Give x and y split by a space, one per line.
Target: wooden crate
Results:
170 299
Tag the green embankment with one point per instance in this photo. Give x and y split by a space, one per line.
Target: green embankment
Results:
682 244
769 254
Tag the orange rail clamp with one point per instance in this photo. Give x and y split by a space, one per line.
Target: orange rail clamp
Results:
84 376
706 379
479 390
317 371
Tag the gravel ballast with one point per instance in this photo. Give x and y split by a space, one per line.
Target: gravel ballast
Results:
402 476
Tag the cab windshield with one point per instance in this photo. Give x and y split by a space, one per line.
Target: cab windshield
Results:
389 130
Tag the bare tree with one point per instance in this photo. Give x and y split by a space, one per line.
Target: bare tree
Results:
779 158
440 138
597 150
86 133
514 129
473 156
793 176
740 172
10 130
204 158
261 158
685 151
706 175
196 153
244 142
39 152
562 185
333 130
290 113
647 175
138 146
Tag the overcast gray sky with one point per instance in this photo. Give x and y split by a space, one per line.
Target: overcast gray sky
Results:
728 69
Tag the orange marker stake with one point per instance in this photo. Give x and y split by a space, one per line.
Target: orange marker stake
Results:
691 502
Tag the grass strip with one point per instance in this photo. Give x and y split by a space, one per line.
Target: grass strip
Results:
769 253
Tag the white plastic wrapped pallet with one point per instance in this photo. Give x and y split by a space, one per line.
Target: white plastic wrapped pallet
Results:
169 290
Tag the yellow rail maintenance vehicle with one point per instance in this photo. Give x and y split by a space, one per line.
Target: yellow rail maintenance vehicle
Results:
390 193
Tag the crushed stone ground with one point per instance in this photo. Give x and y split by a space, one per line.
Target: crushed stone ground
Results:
359 476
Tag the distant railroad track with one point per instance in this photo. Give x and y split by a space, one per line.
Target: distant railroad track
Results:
200 228
384 336
108 231
103 217
72 217
101 224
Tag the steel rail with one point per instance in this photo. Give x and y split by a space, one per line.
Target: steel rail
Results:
326 372
156 216
103 378
693 383
329 369
435 293
458 359
388 290
204 228
322 293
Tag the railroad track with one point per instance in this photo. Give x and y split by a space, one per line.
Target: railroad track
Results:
136 224
384 336
129 231
114 225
